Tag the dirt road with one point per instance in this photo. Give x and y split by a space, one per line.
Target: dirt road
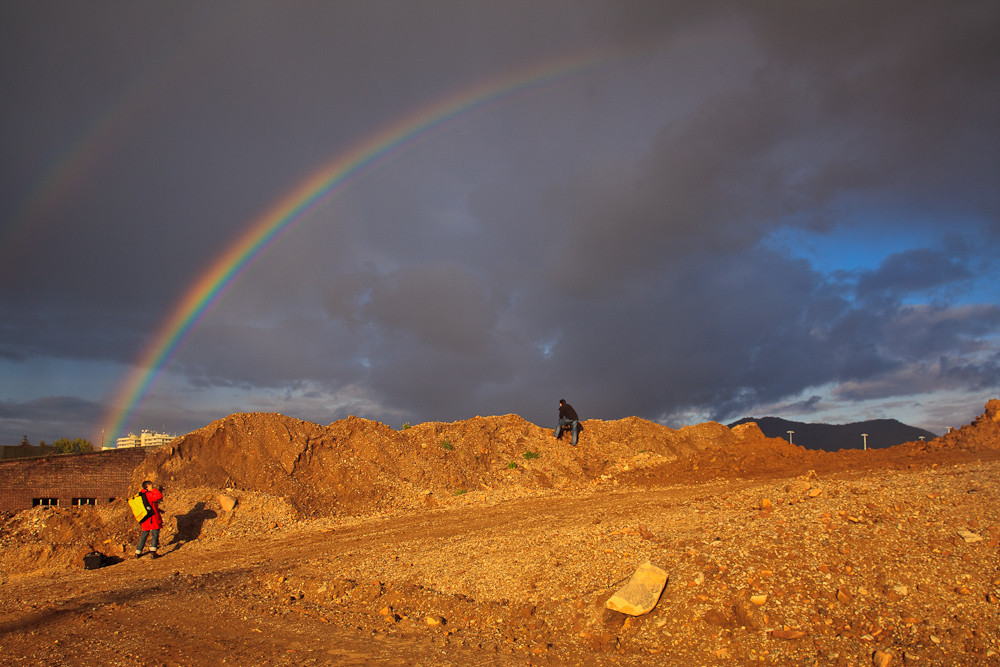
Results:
801 570
489 542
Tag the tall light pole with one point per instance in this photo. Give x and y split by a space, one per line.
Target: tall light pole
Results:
790 437
865 436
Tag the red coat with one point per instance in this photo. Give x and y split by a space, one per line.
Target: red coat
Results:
155 522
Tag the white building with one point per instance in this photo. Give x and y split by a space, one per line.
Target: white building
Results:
145 439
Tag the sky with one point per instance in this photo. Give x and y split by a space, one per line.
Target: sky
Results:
437 209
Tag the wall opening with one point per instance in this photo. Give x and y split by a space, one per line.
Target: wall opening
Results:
44 502
84 501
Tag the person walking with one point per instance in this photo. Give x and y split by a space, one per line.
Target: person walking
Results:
150 528
568 418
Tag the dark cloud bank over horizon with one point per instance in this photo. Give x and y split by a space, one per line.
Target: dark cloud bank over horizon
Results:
752 209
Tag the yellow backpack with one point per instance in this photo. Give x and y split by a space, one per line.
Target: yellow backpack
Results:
140 507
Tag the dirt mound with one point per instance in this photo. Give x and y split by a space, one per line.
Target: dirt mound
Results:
705 453
982 433
283 470
357 466
488 541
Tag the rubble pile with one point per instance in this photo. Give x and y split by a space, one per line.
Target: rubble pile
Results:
490 541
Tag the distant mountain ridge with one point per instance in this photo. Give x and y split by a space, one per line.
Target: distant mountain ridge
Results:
832 437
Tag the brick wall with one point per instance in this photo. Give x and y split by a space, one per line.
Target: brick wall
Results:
100 476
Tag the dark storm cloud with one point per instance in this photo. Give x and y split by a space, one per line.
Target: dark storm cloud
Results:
841 112
607 238
930 332
913 83
270 355
924 377
913 271
74 418
75 331
441 305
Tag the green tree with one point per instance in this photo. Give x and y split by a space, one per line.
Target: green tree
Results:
24 442
78 446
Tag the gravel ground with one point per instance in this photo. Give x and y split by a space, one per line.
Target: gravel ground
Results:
850 568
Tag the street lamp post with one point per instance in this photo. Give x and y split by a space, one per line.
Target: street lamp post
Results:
865 436
790 437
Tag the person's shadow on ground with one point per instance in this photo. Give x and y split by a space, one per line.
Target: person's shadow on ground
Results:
189 525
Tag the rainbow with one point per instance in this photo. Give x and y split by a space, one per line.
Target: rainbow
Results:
67 175
310 193
70 170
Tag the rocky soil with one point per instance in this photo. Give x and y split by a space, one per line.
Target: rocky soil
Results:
489 542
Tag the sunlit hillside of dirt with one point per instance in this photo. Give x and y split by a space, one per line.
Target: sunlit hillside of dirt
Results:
488 541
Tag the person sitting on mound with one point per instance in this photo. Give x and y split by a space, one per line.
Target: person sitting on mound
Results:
568 418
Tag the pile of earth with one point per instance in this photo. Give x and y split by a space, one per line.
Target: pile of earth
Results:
282 471
357 466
